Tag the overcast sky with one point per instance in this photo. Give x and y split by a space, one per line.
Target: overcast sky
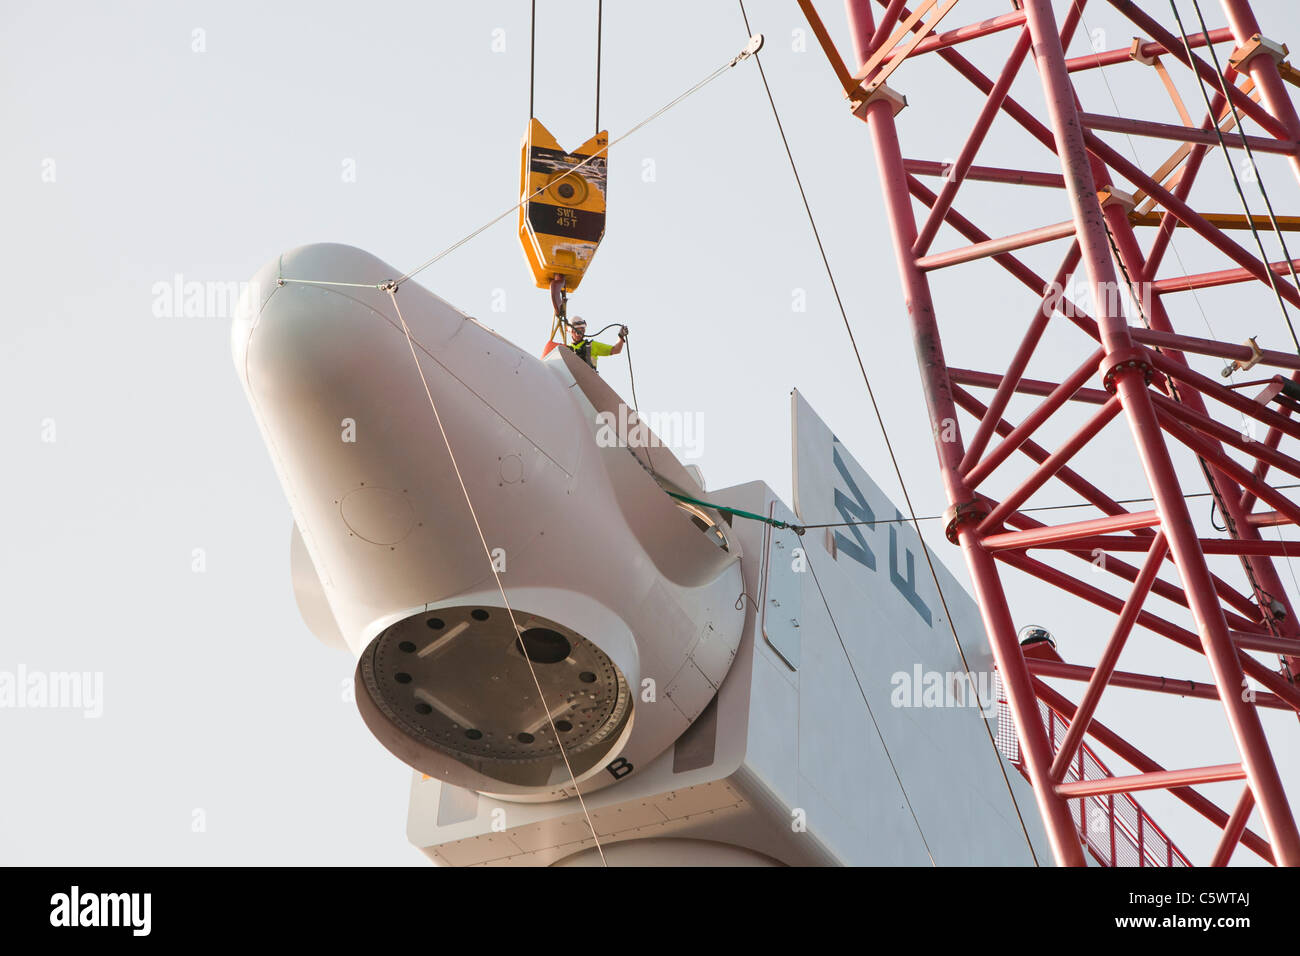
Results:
147 537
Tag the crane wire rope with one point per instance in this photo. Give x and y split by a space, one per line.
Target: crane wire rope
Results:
600 16
1259 242
743 55
1250 156
1136 297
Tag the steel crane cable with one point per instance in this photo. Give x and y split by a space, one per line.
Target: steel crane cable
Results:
600 16
1250 156
1136 297
1250 221
934 574
1173 242
392 294
596 155
532 55
743 55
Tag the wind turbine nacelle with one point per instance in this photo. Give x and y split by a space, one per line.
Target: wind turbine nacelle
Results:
625 600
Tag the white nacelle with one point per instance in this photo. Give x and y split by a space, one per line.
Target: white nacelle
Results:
625 601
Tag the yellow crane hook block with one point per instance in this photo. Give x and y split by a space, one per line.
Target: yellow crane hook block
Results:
562 213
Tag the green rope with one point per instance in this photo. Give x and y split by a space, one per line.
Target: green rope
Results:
797 529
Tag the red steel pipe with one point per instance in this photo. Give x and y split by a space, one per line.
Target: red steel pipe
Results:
1164 589
1212 389
1058 535
998 623
1266 642
1044 472
995 247
1109 543
988 113
1126 751
1152 781
1189 216
1230 350
1184 134
1011 378
1261 573
1208 280
1105 668
1174 45
1233 828
1060 395
1267 519
1014 266
991 174
1094 496
1177 687
1215 455
1149 49
1026 386
1152 622
1263 71
972 31
1231 436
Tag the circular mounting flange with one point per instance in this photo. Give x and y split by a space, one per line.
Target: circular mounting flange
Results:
452 693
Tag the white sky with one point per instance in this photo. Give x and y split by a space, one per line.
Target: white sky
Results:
168 161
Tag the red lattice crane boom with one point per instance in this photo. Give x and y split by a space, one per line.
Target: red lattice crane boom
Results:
1134 367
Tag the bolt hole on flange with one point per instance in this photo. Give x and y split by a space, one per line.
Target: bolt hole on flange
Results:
543 646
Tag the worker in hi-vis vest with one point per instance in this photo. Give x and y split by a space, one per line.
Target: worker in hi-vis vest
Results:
589 349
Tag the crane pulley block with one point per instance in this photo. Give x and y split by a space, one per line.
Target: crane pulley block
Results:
562 208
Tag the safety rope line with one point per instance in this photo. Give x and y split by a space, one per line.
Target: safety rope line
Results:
392 294
1081 504
636 406
907 498
797 529
353 285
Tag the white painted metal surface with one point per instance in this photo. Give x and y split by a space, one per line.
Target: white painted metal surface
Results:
726 692
591 550
788 764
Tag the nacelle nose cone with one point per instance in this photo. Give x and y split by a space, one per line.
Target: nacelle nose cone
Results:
310 318
431 464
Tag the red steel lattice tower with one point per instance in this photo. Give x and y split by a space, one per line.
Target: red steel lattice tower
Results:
1135 369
